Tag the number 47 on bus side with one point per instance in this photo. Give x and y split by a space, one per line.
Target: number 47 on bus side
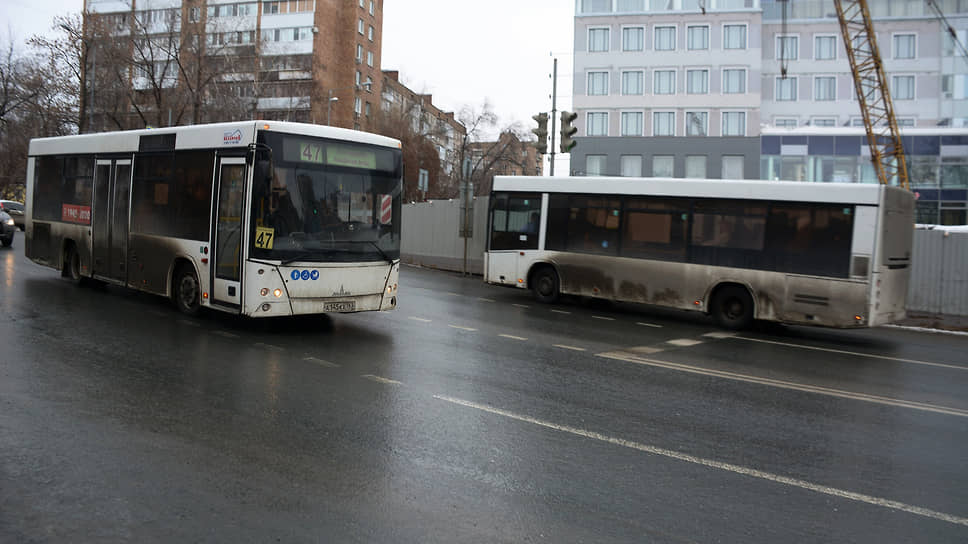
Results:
263 237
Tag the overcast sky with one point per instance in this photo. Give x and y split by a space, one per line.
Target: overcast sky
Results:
461 52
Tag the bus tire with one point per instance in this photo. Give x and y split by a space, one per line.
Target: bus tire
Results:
545 285
186 291
72 265
732 307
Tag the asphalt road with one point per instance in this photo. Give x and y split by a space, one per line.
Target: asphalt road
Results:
470 414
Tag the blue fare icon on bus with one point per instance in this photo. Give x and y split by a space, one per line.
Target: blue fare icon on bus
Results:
294 275
304 275
314 275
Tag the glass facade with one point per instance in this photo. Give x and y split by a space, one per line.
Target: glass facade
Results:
937 167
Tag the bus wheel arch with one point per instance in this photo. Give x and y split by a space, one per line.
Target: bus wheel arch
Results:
732 305
545 283
186 289
71 262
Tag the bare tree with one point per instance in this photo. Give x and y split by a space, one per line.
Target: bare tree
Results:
477 155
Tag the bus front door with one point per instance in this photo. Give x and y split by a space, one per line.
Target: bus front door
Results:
227 257
112 184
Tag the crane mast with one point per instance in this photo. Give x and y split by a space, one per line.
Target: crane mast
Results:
873 92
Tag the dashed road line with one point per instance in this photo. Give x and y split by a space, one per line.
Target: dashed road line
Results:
380 379
521 306
512 337
573 348
603 318
644 350
482 299
561 312
269 347
320 362
653 325
226 334
469 329
684 342
719 334
420 319
718 465
864 397
845 352
454 294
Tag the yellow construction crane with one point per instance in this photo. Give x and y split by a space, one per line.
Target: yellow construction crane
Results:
873 92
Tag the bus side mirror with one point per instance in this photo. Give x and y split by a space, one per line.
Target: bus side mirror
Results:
264 170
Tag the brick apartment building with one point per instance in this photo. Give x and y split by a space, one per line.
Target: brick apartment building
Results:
298 60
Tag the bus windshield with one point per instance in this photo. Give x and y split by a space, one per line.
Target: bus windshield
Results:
326 201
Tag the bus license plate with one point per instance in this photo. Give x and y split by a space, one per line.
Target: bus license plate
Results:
339 306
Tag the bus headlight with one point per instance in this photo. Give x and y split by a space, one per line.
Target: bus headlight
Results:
264 291
9 221
277 293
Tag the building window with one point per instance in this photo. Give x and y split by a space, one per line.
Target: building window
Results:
697 37
368 108
597 124
905 46
664 123
372 6
663 166
734 36
906 122
595 165
734 123
369 58
786 89
597 40
733 167
632 166
902 87
787 47
359 53
597 83
824 121
824 47
357 105
785 122
734 80
697 123
664 82
369 33
359 78
665 38
825 88
696 166
360 26
632 82
697 81
633 38
632 123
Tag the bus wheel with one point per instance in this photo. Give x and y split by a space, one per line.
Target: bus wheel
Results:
72 265
544 285
733 308
186 292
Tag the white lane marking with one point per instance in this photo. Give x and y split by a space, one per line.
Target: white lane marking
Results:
621 356
645 350
603 318
226 334
719 334
653 325
380 379
321 362
573 348
512 337
420 319
455 294
684 342
269 347
561 312
520 305
845 352
719 465
482 299
471 329
927 330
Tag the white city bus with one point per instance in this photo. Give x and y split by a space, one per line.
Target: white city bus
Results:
828 254
258 218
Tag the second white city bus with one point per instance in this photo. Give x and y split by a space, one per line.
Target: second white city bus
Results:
830 254
259 218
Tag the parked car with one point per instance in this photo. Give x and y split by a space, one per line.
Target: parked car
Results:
16 210
7 229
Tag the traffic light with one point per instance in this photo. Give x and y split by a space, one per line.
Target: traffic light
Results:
567 131
541 132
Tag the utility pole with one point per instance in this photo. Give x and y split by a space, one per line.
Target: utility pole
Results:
554 112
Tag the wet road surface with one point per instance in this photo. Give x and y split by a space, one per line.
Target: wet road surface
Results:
470 414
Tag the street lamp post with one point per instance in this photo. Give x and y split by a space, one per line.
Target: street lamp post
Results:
330 98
